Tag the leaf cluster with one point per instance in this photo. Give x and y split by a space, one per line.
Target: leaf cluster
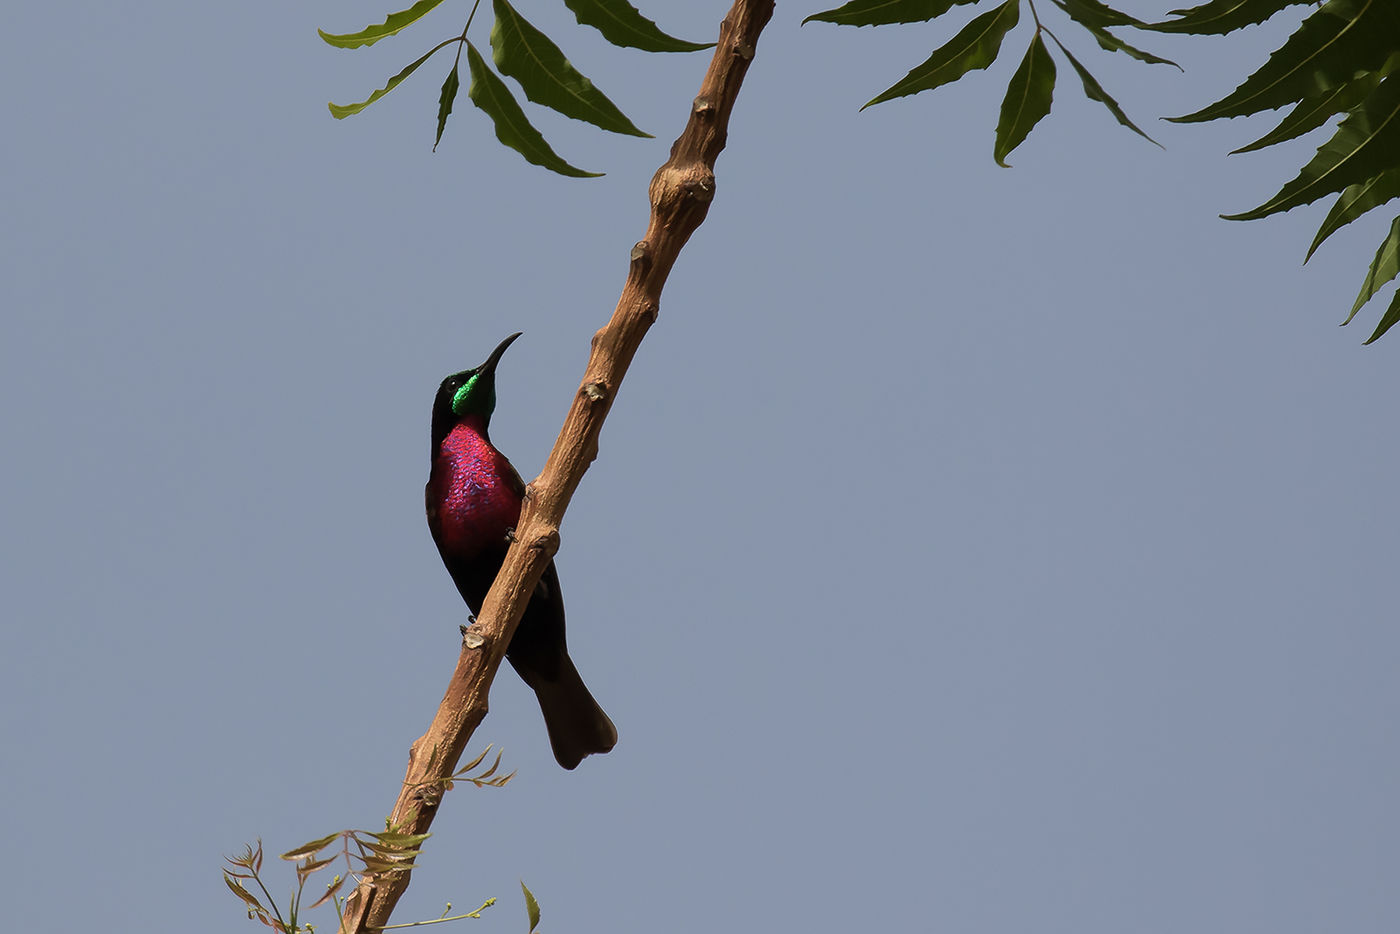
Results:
487 779
976 46
363 851
522 52
1341 62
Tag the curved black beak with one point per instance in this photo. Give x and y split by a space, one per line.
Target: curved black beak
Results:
489 367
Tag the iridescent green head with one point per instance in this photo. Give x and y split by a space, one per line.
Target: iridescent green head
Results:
468 394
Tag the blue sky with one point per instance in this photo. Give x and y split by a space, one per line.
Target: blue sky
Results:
969 549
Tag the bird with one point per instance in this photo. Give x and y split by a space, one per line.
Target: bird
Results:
473 500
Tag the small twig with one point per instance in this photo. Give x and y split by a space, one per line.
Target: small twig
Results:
471 914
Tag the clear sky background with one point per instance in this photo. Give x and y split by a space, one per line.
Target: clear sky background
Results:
970 549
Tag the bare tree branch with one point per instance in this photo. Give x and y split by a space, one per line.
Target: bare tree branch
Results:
681 192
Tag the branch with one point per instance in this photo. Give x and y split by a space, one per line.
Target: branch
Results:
681 192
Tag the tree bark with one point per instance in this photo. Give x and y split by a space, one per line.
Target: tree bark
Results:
681 192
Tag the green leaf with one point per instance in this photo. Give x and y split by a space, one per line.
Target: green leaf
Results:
976 46
1334 44
1099 14
531 58
1027 99
622 24
1094 91
340 112
881 12
1383 268
396 22
1355 201
1392 315
532 907
1221 16
1313 112
1366 144
449 94
1095 17
490 94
